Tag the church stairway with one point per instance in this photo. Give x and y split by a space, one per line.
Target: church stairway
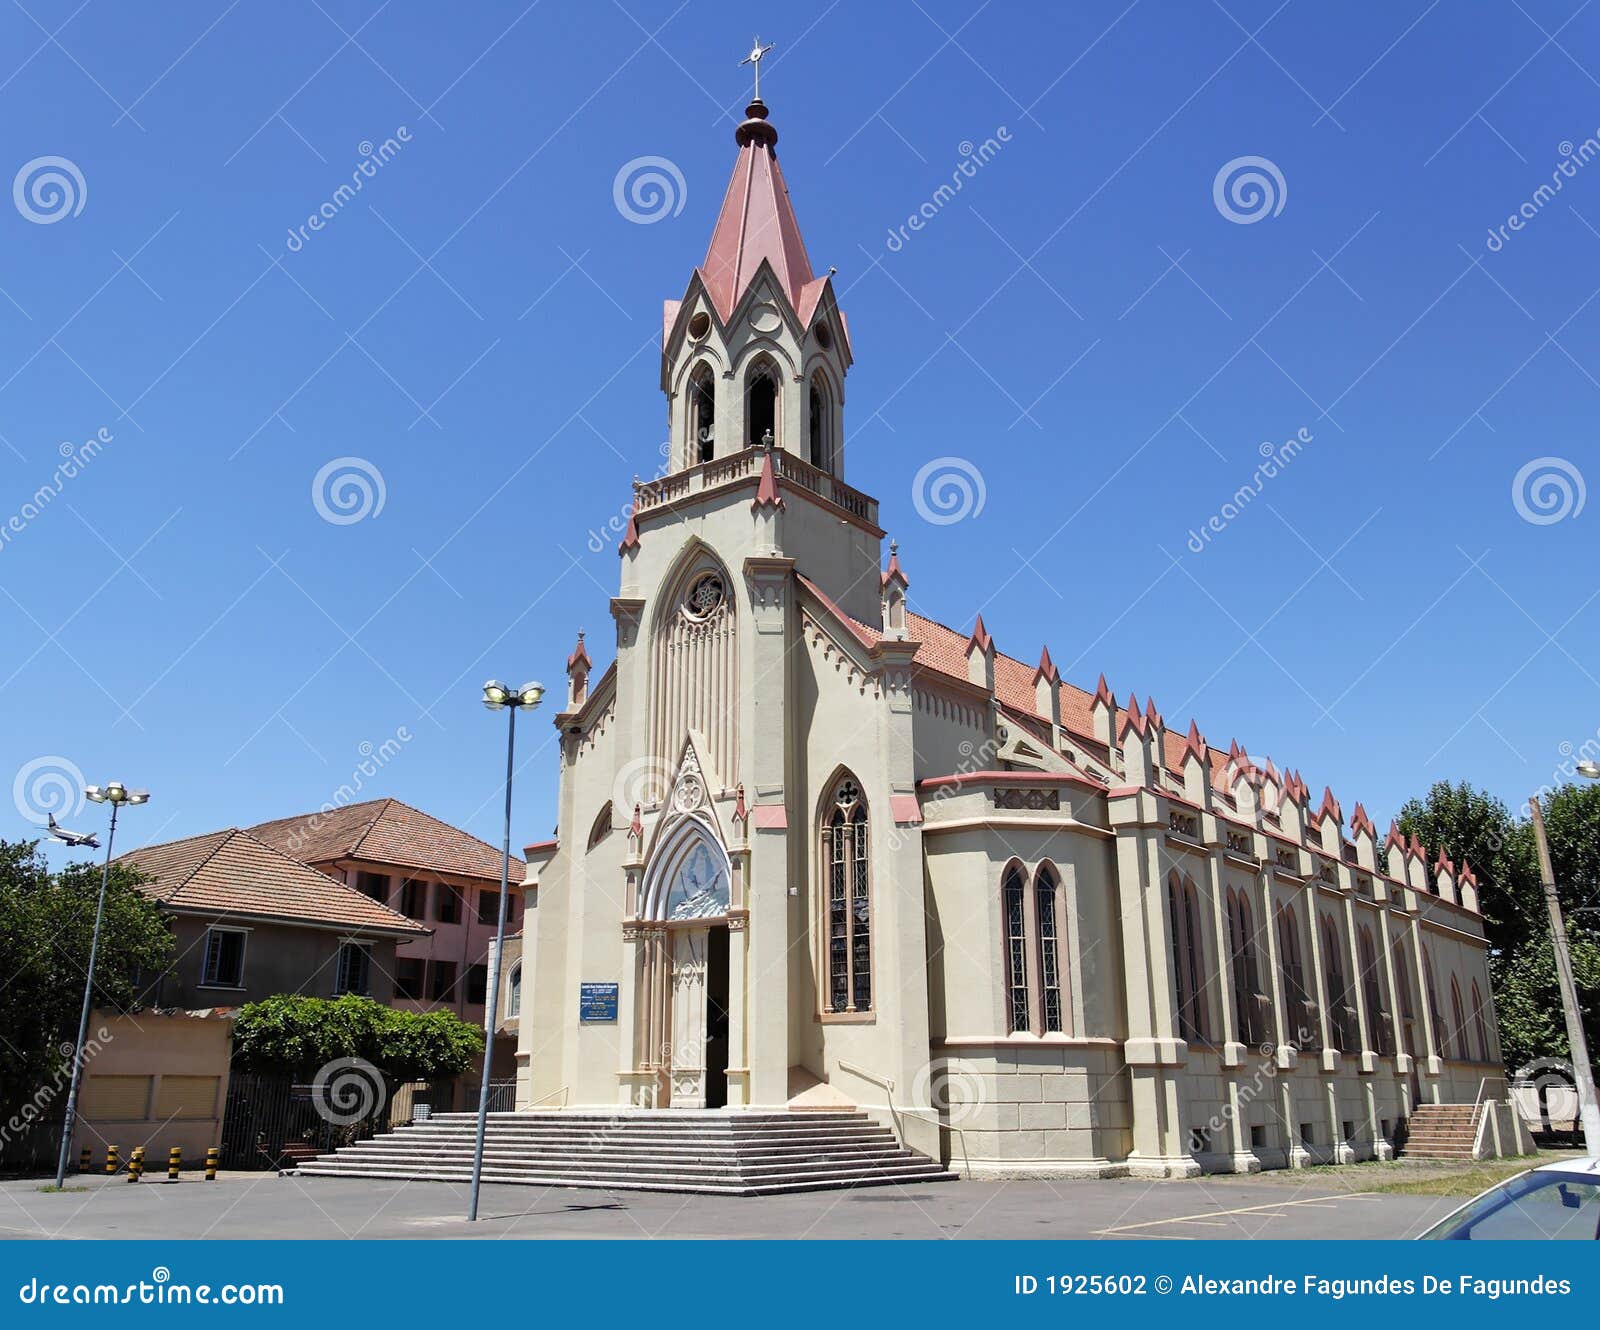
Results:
1441 1131
724 1153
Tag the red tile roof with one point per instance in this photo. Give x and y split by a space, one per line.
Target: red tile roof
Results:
386 831
233 874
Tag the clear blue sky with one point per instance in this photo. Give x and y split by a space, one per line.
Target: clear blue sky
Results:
1081 323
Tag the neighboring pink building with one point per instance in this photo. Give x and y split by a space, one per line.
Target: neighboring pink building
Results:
429 871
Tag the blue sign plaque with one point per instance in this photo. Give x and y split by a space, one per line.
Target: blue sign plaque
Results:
597 1003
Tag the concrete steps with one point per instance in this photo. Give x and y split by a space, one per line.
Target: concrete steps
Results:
1441 1131
721 1153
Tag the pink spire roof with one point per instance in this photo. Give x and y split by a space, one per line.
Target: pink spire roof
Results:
1047 668
757 222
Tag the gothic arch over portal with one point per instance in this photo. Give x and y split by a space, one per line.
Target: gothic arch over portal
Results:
689 875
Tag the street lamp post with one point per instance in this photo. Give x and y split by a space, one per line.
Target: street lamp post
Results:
497 697
1588 1111
116 794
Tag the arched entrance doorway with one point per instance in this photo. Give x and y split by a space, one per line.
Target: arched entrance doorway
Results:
686 894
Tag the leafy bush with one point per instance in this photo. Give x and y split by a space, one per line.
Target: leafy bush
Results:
295 1035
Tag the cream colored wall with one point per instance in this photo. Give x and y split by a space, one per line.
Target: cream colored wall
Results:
137 1054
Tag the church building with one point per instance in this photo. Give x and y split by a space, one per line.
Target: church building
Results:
816 850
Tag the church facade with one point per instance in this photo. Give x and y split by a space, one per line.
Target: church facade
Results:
816 849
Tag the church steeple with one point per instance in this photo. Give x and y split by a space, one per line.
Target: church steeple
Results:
757 348
757 222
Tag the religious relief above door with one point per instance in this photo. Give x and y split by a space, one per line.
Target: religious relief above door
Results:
698 888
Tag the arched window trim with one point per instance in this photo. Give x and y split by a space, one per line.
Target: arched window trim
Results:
763 366
821 449
675 845
845 907
1050 930
1188 944
1342 1029
1435 1015
1480 1027
1014 923
514 991
700 426
1457 1043
1303 1019
600 828
1249 1010
1378 1016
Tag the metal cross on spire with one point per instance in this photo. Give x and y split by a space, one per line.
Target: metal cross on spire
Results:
757 51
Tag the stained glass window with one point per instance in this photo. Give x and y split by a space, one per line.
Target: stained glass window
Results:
847 875
1049 951
1016 951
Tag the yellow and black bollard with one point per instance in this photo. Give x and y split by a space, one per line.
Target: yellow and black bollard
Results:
136 1164
174 1163
211 1163
111 1160
83 1160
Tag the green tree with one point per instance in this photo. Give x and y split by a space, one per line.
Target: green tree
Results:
1471 825
295 1035
46 924
1528 999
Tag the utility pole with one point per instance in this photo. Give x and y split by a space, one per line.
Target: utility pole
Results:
1588 1110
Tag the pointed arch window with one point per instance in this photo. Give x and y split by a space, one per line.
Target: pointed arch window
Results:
1014 902
1304 1024
702 415
761 403
1342 1023
514 991
601 827
1479 1029
847 884
820 424
1456 1045
1434 1013
1046 896
1183 905
1247 1001
1377 1012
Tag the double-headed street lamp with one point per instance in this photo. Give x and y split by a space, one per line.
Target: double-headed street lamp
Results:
116 794
497 697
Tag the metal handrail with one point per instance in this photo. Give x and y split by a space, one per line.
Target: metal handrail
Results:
1483 1084
894 1113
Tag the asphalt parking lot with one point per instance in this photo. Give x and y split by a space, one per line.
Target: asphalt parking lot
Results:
262 1205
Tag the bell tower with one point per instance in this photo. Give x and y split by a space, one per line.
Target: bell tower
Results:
756 351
